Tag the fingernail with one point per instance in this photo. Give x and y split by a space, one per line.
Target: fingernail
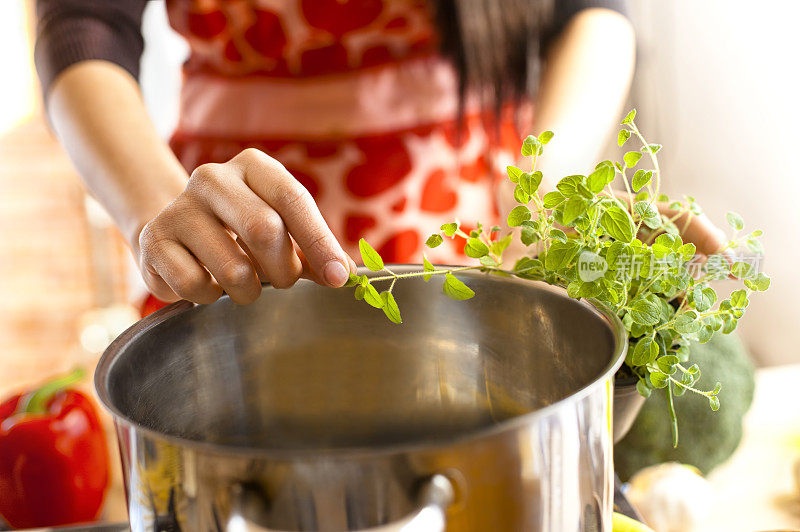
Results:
335 273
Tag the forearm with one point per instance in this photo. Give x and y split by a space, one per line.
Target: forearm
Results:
98 114
585 81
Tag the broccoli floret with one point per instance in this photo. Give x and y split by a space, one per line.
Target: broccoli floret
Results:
707 438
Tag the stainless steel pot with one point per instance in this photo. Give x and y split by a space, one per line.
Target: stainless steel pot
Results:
308 410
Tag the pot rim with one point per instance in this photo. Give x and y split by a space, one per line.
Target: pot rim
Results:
112 352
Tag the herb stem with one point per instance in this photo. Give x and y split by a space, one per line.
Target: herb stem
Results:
672 416
396 276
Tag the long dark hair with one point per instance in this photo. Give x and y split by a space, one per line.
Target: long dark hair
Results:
495 45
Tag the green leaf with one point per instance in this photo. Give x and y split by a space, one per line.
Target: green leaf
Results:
574 207
667 364
760 283
528 235
560 254
687 251
645 312
648 214
518 214
475 248
353 280
558 234
645 351
703 298
552 199
618 224
371 259
545 136
499 246
521 196
598 179
530 146
390 307
641 178
489 261
687 323
372 297
513 173
449 229
428 267
434 240
641 387
735 221
631 158
360 290
713 402
658 379
622 137
629 117
455 289
739 298
742 270
655 148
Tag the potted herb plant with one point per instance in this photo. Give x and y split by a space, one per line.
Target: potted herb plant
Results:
613 247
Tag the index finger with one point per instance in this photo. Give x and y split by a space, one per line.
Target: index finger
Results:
276 186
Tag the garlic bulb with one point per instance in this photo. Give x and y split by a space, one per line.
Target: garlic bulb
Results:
671 497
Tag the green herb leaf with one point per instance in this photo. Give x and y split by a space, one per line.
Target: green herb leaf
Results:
654 148
658 379
434 240
648 214
518 214
574 207
390 307
513 173
475 248
553 199
742 270
622 137
739 298
629 117
703 298
598 179
631 158
645 312
545 136
735 221
759 283
641 387
499 246
428 267
372 296
455 289
371 259
449 229
641 178
645 351
687 323
713 402
560 254
521 196
353 280
618 224
530 146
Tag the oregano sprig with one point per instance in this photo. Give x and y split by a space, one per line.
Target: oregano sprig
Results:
616 248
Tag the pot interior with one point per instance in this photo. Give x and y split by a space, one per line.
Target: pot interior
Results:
311 368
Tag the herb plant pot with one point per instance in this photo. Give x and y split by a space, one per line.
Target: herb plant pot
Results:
627 404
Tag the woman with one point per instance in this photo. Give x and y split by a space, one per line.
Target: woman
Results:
307 124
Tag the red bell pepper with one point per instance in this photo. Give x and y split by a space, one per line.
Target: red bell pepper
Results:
54 466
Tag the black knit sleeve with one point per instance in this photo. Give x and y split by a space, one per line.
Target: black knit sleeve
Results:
69 31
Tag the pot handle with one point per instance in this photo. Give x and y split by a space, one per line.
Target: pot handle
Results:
435 495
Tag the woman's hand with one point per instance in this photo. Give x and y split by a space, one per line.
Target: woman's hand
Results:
237 224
